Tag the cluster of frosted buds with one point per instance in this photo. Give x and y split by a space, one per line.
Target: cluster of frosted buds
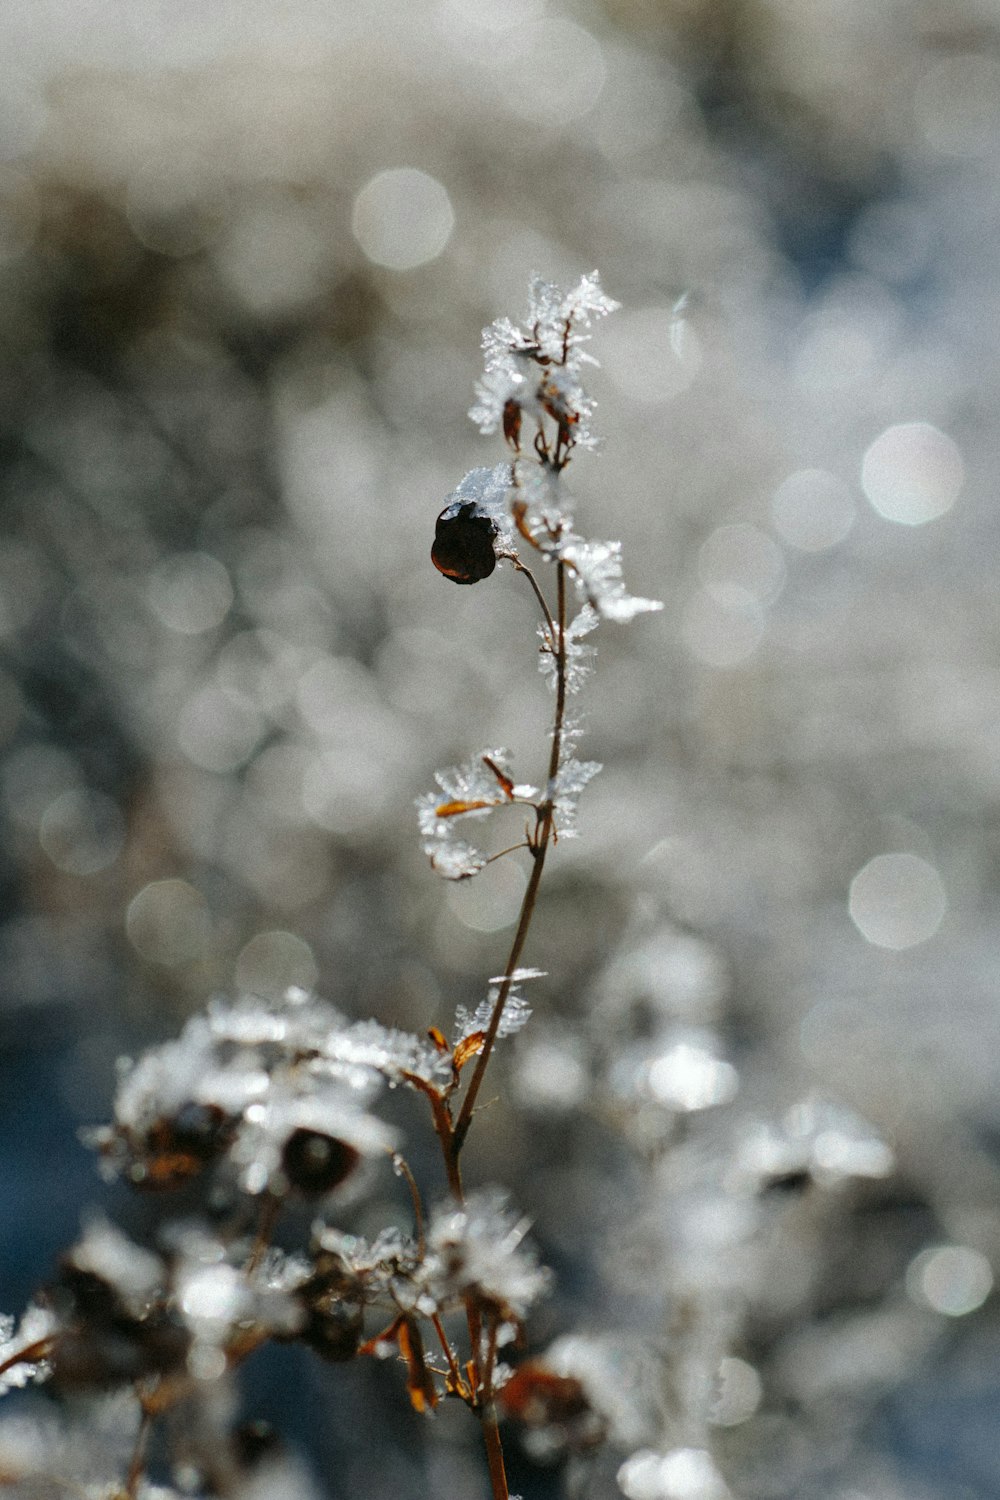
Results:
274 1100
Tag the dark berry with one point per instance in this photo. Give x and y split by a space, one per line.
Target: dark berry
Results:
463 543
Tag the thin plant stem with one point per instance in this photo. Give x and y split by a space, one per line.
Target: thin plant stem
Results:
511 849
137 1467
449 1354
521 567
494 1452
270 1209
539 848
40 1349
403 1167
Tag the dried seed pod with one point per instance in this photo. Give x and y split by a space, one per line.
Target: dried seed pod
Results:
333 1327
179 1147
102 1344
463 543
556 1406
315 1163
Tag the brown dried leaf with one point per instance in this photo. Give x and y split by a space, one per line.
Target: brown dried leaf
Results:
506 782
439 1039
471 1046
512 423
419 1381
453 809
519 510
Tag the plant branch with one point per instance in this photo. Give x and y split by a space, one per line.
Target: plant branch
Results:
539 848
403 1168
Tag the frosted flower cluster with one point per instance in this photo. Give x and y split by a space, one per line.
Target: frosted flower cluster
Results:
471 790
276 1095
479 1246
532 374
535 370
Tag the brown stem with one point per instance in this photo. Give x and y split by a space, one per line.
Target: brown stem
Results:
452 1133
269 1210
445 1132
137 1467
521 568
31 1353
494 1452
403 1168
539 849
459 1385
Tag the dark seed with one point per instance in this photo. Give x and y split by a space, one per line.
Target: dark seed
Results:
463 543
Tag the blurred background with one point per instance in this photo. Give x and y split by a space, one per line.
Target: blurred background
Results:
246 252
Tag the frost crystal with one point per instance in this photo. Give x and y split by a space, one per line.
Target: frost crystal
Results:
489 490
579 657
36 1324
471 790
597 573
392 1053
536 369
480 1248
572 777
516 1012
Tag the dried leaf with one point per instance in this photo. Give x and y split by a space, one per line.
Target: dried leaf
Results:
419 1381
469 1046
455 809
506 782
439 1039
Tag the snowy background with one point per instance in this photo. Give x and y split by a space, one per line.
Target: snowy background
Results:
246 252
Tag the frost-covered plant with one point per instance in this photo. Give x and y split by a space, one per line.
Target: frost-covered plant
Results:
264 1105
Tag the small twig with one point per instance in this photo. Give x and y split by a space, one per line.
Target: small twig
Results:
458 1381
137 1467
511 849
269 1211
403 1168
30 1354
444 1129
491 1357
539 846
521 567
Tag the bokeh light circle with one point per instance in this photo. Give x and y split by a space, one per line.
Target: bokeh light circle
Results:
402 218
741 566
272 963
912 473
82 831
168 923
952 1279
556 72
812 510
897 901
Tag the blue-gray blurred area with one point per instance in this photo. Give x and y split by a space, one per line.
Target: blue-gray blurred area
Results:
246 252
